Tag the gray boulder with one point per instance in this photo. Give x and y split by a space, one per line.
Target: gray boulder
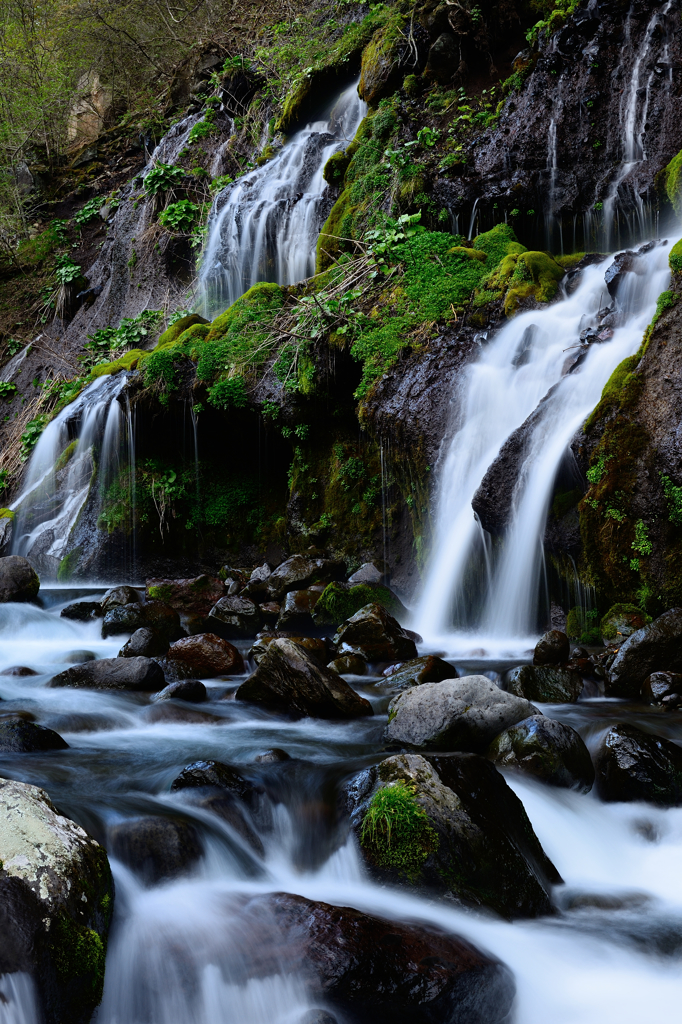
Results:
156 615
549 684
663 688
113 674
429 669
56 900
288 679
191 690
458 714
656 647
234 617
116 597
549 750
367 573
145 642
299 571
18 579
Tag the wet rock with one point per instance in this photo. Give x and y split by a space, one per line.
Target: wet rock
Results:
257 585
215 774
191 597
349 664
341 600
656 647
269 612
140 674
17 736
299 572
288 679
56 899
367 573
176 714
660 685
78 657
549 684
376 971
154 848
145 642
229 809
549 750
317 1017
18 670
164 619
552 648
18 579
429 669
191 690
205 655
81 722
458 714
443 59
374 635
451 823
128 618
234 617
118 596
621 621
296 611
316 646
82 611
634 765
273 756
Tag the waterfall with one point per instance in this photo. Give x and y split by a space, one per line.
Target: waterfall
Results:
265 226
522 365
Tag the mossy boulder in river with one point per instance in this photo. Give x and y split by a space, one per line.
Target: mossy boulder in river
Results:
339 601
56 899
549 750
549 684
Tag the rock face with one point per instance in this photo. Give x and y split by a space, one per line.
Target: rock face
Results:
234 617
113 674
656 647
429 669
18 579
374 635
634 765
451 824
204 655
18 736
288 679
552 648
56 899
458 714
549 750
376 971
550 684
155 848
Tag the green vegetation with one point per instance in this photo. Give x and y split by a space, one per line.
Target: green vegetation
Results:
583 627
7 390
180 216
675 257
338 602
673 184
396 833
620 617
31 435
68 565
79 956
162 178
673 497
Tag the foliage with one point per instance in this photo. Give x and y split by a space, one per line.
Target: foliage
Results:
31 435
583 626
675 257
673 185
396 832
107 343
89 212
337 602
202 129
162 178
641 544
180 216
7 390
67 271
673 497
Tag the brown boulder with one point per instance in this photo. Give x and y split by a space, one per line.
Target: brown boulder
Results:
18 579
187 596
205 655
374 635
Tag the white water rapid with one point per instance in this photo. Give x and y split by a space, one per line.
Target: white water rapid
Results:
265 226
498 391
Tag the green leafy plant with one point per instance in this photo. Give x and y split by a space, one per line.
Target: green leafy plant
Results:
673 496
180 216
31 435
202 129
162 178
89 212
220 183
67 271
428 137
641 544
7 390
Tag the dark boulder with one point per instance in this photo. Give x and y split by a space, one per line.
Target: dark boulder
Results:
18 579
299 572
113 674
374 635
443 59
349 664
634 765
288 679
621 621
82 611
657 647
314 645
116 597
205 655
296 612
552 648
269 612
17 736
457 714
548 684
182 714
661 685
549 750
273 756
123 618
145 642
429 669
192 597
18 670
191 690
154 848
376 971
234 617
216 775
452 824
78 657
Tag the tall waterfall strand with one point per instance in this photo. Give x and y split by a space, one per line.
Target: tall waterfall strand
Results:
497 393
265 226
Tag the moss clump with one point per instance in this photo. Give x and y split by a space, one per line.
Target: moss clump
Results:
523 275
621 620
673 184
194 335
569 261
411 86
68 565
163 592
6 513
396 833
129 361
620 390
337 602
66 455
497 243
172 333
336 167
260 297
79 956
381 59
675 258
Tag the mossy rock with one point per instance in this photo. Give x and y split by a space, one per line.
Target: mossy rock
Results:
259 295
129 361
68 565
622 620
675 257
173 333
536 275
336 167
673 184
620 390
66 456
338 601
380 72
195 333
7 513
470 253
497 243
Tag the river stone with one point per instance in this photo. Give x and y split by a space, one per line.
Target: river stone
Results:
374 635
56 899
552 648
191 690
141 674
155 848
654 648
367 573
18 670
234 617
549 750
287 678
299 572
634 765
118 596
190 597
451 823
18 579
314 645
373 971
17 736
145 642
621 621
660 685
458 714
217 775
297 608
548 684
82 611
128 618
273 756
349 664
429 669
205 655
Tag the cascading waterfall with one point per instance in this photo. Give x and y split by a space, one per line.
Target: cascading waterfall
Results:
513 372
266 225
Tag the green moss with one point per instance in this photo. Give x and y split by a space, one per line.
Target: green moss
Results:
79 956
129 361
68 565
536 275
675 257
380 68
564 501
258 298
172 333
6 513
582 626
162 592
66 456
396 833
411 86
614 391
634 617
336 603
568 262
336 167
673 184
497 243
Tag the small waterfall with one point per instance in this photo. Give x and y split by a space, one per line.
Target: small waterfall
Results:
552 167
522 365
265 226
